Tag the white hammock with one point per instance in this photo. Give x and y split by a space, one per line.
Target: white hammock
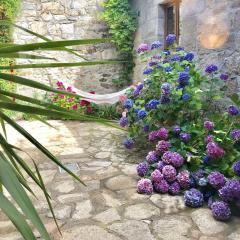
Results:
100 98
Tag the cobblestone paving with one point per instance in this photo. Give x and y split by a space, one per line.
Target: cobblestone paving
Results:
108 208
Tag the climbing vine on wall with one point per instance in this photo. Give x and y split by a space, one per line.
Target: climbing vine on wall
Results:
122 24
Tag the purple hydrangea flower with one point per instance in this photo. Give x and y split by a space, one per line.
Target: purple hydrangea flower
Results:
235 134
156 44
147 71
236 168
177 130
214 151
153 63
146 128
123 121
185 137
234 187
136 92
128 143
142 114
156 176
143 47
211 68
199 174
142 169
152 136
166 158
161 187
183 78
162 146
208 125
216 179
209 139
224 77
176 159
162 133
174 188
171 38
186 97
210 201
166 88
225 194
139 86
165 99
152 157
128 104
221 211
183 178
189 56
193 198
144 186
161 165
169 173
233 110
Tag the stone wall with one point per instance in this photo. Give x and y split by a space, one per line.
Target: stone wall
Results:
210 28
68 19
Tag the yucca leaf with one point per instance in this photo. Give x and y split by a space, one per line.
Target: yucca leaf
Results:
46 196
24 55
57 65
51 45
16 218
43 38
11 183
3 127
23 132
33 84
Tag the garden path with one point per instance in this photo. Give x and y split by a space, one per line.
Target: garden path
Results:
108 208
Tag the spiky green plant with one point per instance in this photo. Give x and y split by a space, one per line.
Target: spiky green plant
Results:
13 168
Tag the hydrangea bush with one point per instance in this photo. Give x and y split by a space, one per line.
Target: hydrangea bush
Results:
196 151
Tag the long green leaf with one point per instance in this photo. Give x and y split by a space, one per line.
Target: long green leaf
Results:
23 55
16 218
38 145
11 183
3 128
51 45
57 65
47 196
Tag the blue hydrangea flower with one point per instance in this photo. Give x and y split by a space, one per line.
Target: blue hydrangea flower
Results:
166 52
211 68
206 159
166 88
147 71
171 38
193 198
136 110
128 143
165 99
224 77
183 78
189 56
202 182
152 104
152 63
146 128
233 110
178 49
176 58
177 129
236 168
142 114
186 97
159 66
156 44
168 69
128 104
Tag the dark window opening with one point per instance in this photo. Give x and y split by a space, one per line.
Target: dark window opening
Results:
171 18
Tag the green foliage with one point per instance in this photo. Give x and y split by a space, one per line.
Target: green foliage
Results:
122 24
13 169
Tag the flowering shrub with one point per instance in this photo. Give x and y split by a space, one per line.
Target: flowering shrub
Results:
195 151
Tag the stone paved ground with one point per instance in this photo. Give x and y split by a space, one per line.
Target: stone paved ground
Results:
109 207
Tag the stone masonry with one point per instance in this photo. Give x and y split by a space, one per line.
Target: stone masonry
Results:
210 28
108 208
68 19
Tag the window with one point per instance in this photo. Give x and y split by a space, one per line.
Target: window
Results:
171 18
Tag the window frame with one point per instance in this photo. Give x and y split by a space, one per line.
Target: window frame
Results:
176 6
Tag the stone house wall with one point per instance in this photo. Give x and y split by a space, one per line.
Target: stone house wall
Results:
210 28
68 19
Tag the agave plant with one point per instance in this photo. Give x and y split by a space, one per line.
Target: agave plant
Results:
13 168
